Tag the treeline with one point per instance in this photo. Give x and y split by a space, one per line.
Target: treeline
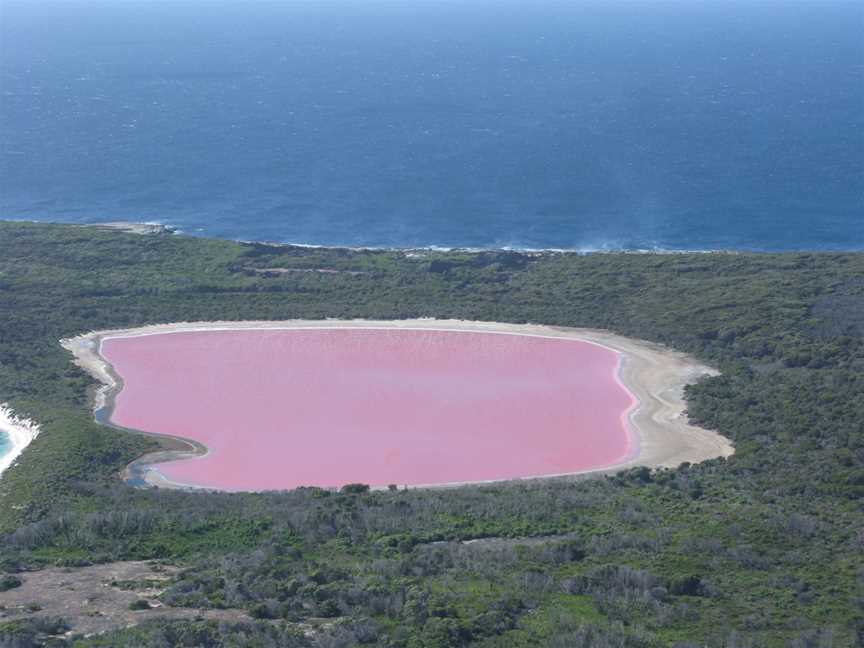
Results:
762 549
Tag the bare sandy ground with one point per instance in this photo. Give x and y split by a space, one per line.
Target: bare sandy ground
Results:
131 227
96 599
20 432
661 434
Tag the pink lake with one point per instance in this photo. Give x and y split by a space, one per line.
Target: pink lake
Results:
279 409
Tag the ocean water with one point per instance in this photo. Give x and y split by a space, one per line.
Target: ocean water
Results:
580 125
5 444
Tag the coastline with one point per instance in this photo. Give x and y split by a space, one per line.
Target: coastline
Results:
159 227
21 433
659 433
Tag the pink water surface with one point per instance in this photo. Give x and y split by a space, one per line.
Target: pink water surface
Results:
279 409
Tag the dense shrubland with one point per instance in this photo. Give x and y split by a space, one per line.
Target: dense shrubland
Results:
763 549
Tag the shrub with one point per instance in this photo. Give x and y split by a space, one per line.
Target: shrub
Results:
355 489
261 611
140 604
8 582
686 586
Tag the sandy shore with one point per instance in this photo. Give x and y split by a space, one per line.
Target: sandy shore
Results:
655 375
132 227
20 431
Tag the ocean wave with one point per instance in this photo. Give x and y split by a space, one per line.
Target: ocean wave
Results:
580 249
21 433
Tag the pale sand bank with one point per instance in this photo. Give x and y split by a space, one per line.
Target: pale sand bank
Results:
132 227
20 431
661 434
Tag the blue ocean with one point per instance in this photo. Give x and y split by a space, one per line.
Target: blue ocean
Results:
578 125
5 444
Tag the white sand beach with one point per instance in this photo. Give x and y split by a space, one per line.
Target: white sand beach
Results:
20 432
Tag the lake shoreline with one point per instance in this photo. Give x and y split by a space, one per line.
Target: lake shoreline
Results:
653 375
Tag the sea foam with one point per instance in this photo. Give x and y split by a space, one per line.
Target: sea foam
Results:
21 433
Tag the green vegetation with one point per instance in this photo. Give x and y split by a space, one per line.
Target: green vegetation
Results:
763 549
139 604
8 582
